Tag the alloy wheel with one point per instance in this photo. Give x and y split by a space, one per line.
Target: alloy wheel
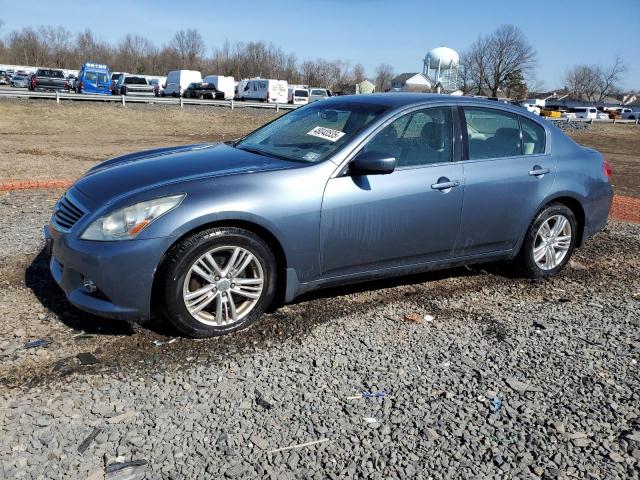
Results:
552 242
223 286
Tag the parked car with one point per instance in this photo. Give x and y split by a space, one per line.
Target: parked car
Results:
20 80
4 77
531 105
157 85
71 78
223 84
584 112
114 79
602 116
298 95
345 190
48 80
629 114
316 94
132 85
203 90
94 78
239 89
548 112
266 90
178 80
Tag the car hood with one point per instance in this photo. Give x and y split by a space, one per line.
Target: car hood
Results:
146 170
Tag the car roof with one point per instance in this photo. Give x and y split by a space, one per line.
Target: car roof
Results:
400 100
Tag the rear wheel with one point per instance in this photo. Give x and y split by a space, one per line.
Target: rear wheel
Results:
549 242
218 281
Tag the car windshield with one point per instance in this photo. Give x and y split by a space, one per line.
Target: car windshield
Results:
312 133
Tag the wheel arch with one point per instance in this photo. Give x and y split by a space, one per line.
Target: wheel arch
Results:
261 231
578 210
569 201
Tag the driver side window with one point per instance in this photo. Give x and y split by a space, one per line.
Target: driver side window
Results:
418 138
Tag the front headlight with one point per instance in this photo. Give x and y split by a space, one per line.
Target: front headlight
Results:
126 223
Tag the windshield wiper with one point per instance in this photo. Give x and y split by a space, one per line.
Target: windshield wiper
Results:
270 154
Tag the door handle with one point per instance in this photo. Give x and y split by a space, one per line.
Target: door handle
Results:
445 185
538 171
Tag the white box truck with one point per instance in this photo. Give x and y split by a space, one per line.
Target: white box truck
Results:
266 90
222 84
179 80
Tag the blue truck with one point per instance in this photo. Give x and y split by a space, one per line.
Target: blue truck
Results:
94 78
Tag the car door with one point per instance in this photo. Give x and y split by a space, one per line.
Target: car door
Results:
508 174
411 216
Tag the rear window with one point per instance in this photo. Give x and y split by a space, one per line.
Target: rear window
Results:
318 92
91 76
301 93
103 78
50 73
533 137
135 81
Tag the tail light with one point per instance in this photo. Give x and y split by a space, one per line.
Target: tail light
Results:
34 82
608 171
80 86
267 96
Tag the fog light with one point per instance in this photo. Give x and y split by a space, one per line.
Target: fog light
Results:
89 286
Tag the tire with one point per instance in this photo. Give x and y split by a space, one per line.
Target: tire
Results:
558 249
217 317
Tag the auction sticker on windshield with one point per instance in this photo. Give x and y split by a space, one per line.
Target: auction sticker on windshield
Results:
326 133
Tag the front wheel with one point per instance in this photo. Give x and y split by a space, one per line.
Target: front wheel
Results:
218 281
549 242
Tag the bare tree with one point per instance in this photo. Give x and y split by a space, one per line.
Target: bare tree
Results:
135 54
592 82
57 45
507 52
610 77
358 73
583 81
2 47
474 66
384 74
189 46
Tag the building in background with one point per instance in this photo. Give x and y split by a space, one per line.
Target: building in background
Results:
411 82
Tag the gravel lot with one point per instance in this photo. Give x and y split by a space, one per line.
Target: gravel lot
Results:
557 361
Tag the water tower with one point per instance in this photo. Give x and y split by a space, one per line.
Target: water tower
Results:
441 68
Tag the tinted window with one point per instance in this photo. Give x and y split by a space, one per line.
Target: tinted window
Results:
50 73
135 81
314 132
418 138
90 77
103 78
492 133
301 93
533 136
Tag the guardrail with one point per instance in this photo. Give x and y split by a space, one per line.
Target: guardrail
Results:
124 99
592 120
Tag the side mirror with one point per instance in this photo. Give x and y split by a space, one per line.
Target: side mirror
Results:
372 163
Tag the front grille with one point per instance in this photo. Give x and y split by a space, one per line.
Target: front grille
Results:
67 213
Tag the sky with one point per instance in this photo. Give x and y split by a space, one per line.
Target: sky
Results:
398 32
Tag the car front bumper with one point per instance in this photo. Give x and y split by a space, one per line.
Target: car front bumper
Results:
122 271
